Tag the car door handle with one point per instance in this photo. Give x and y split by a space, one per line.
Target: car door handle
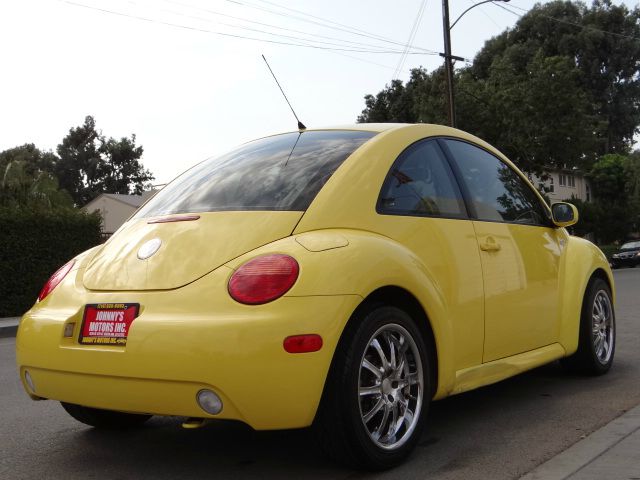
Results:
490 245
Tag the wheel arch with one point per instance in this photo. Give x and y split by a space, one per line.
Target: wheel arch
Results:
600 273
391 295
404 300
582 262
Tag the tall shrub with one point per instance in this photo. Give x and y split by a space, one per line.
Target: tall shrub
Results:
33 244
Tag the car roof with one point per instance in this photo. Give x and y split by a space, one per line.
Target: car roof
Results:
427 129
376 127
365 127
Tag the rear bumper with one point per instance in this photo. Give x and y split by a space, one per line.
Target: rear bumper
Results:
138 395
173 353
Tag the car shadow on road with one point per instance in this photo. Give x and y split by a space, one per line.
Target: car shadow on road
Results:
460 430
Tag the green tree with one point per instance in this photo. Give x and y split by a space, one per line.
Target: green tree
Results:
22 188
614 192
540 118
395 103
602 43
632 187
33 159
122 172
417 101
90 164
556 90
609 180
79 160
589 215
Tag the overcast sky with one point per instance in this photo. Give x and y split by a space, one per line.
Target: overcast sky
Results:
161 69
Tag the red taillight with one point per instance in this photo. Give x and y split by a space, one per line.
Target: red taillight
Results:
55 279
303 343
263 279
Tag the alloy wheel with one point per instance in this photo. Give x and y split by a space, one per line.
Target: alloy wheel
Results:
391 386
602 327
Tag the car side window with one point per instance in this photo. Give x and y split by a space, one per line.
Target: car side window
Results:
497 192
421 183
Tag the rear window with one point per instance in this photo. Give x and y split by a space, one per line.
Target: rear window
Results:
283 172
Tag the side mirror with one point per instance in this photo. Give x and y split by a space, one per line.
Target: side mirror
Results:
564 214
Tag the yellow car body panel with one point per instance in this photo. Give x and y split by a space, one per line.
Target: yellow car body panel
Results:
580 262
190 334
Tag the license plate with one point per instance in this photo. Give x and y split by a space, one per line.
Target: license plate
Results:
107 323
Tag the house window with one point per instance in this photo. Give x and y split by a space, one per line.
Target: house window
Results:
567 180
551 186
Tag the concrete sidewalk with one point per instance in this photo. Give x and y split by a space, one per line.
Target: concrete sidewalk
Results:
611 453
9 326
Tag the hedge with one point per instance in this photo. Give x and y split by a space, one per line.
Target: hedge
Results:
33 245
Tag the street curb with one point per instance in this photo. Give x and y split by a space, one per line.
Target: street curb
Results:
583 453
9 326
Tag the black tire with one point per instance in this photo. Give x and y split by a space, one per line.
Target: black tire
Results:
105 419
340 426
588 358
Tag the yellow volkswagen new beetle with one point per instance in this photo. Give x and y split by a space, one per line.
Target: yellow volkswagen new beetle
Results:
341 278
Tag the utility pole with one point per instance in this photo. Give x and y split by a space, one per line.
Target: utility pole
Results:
448 63
448 58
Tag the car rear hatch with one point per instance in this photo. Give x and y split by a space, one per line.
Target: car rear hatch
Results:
220 209
187 249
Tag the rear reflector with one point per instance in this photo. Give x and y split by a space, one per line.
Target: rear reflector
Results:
303 343
68 329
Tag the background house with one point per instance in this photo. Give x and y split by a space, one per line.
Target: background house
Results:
116 208
563 184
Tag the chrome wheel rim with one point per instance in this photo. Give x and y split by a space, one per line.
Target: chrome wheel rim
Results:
390 386
602 327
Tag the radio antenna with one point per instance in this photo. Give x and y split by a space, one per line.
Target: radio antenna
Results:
300 124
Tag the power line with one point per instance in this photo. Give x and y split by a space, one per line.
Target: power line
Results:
351 30
412 35
486 15
241 27
388 67
268 25
213 32
323 19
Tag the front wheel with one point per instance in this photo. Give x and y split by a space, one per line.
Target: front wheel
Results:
106 419
597 340
375 401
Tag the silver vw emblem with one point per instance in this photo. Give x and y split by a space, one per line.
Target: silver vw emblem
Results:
149 248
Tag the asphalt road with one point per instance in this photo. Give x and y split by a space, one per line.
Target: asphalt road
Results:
497 432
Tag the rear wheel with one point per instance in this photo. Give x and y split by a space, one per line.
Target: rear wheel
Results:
375 401
597 341
106 419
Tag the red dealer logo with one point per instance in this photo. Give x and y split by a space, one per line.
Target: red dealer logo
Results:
107 323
